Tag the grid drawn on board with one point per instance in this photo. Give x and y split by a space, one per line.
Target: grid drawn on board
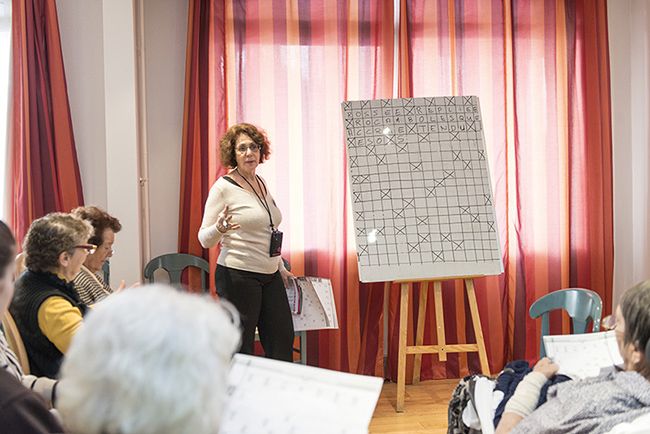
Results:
421 194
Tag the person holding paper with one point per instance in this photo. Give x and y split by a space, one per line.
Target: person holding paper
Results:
595 404
240 213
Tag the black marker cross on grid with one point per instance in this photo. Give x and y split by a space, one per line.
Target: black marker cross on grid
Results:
423 138
456 155
358 179
429 101
359 215
414 247
411 129
446 237
350 141
385 194
449 101
408 102
457 245
348 123
371 150
398 213
471 126
491 226
468 165
475 218
464 209
401 147
381 160
408 110
380 231
361 231
423 220
400 230
454 135
431 191
408 202
364 104
481 155
390 140
346 104
438 256
448 174
488 201
357 196
467 100
363 250
424 237
385 102
416 166
439 183
353 161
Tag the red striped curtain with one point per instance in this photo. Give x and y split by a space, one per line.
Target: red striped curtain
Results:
542 77
44 170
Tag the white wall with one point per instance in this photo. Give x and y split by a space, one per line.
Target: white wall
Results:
98 43
164 53
629 46
98 39
82 41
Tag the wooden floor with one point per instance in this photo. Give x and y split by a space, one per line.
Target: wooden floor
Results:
425 408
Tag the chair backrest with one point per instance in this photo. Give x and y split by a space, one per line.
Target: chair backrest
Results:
174 264
15 341
106 269
582 305
20 264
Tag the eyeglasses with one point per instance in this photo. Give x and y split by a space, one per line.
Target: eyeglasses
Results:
90 248
241 149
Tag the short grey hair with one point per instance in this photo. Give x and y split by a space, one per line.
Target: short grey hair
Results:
51 235
149 360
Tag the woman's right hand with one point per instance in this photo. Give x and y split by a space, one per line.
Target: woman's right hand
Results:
224 223
547 367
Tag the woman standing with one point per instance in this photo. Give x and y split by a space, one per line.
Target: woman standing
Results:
240 213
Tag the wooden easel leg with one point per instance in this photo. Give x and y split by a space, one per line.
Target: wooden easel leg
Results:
401 356
419 339
478 330
387 286
440 319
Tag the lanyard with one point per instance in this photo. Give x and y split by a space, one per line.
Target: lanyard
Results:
265 205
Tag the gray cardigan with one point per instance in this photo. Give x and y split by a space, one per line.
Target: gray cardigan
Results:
593 405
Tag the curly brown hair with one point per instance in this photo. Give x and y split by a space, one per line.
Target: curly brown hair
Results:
227 143
7 248
100 219
51 235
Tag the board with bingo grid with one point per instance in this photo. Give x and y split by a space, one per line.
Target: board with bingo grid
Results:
420 189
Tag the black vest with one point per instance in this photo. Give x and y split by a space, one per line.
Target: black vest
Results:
32 289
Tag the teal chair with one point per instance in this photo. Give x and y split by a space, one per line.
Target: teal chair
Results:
175 264
106 269
582 305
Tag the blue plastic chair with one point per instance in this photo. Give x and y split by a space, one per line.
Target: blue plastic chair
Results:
175 264
582 305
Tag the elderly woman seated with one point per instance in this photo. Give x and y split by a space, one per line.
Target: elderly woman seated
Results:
89 282
596 404
149 360
21 410
46 306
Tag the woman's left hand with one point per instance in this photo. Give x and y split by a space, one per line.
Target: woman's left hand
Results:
285 276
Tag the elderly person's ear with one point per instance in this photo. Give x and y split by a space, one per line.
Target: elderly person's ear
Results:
64 259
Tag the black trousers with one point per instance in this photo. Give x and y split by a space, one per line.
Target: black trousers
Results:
261 300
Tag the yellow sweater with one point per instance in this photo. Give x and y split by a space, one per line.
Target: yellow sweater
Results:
59 321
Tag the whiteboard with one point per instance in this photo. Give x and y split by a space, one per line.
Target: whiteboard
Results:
420 189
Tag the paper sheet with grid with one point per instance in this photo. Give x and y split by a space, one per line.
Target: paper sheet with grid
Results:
421 192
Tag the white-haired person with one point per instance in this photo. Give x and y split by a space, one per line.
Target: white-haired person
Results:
593 405
21 410
149 360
